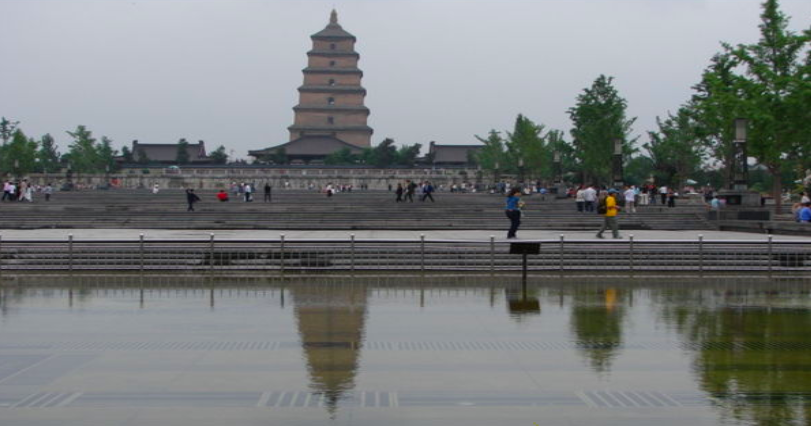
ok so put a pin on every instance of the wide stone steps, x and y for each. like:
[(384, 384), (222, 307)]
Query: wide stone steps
[(308, 210)]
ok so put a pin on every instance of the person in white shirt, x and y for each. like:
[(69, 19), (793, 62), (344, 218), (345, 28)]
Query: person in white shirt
[(663, 194), (590, 195), (630, 195), (580, 199)]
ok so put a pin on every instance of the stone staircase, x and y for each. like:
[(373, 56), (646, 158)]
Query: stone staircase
[(130, 209)]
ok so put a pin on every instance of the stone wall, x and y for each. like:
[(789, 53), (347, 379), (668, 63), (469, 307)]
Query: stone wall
[(300, 177)]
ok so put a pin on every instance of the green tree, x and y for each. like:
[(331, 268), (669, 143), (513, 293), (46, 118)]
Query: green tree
[(219, 156), (407, 154), (83, 154), (775, 90), (48, 155), (598, 120), (18, 156), (493, 154), (182, 156), (126, 153), (673, 149), (556, 143), (7, 129), (383, 155), (106, 155), (638, 169), (341, 157), (526, 143)]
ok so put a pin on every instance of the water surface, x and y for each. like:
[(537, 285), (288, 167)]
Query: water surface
[(404, 351)]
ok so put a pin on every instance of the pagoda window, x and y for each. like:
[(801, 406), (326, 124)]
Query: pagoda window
[(332, 63), (332, 82), (332, 46), (331, 120), (330, 101)]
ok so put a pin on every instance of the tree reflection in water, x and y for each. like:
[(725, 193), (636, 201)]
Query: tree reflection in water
[(752, 351), (596, 322)]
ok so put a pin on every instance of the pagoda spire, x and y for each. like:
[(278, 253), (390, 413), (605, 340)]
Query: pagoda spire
[(333, 17)]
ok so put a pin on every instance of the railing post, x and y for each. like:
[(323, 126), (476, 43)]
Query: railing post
[(560, 252), (281, 249), (352, 250), (492, 254), (631, 252), (770, 255), (211, 252), (141, 253), (70, 252), (701, 254), (422, 253)]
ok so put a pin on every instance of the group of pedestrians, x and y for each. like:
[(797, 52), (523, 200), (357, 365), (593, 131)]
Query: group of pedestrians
[(606, 205), (244, 189), (406, 192), (24, 191)]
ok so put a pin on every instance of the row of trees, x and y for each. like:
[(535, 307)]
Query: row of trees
[(21, 154), (768, 82)]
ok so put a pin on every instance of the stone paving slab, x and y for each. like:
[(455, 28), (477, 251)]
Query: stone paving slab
[(430, 235)]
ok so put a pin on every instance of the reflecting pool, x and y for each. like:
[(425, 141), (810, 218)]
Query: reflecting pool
[(404, 351)]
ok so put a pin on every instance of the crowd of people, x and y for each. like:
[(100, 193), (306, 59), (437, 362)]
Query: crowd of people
[(23, 191)]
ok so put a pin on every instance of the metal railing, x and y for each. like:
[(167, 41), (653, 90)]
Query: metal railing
[(422, 255)]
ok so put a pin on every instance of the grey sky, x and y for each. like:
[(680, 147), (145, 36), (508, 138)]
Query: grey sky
[(226, 71)]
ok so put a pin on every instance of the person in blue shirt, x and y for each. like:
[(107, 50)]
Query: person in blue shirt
[(805, 213), (513, 210)]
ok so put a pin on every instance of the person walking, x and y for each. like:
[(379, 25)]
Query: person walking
[(191, 198), (248, 190), (427, 190), (590, 196), (663, 194), (410, 187), (580, 199), (268, 190), (630, 197), (513, 211), (48, 190), (399, 193), (608, 208)]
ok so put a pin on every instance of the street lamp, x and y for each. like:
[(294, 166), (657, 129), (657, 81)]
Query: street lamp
[(521, 172), (496, 175), (740, 168), (616, 172), (557, 166)]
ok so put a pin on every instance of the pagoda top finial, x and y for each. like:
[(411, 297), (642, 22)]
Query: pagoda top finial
[(333, 17)]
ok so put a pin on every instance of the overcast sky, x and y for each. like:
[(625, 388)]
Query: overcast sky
[(226, 71)]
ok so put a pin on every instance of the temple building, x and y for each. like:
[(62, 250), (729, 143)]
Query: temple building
[(167, 153), (330, 114)]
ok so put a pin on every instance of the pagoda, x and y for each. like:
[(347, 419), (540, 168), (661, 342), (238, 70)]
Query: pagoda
[(330, 114), (331, 99)]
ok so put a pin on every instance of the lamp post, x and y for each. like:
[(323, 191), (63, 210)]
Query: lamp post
[(521, 172), (69, 178), (557, 167), (618, 180), (478, 177), (739, 166), (496, 175), (16, 169)]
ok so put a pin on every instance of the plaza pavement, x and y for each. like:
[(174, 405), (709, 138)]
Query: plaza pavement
[(430, 235)]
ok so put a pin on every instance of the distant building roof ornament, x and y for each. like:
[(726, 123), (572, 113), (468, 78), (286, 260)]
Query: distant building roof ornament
[(333, 17)]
